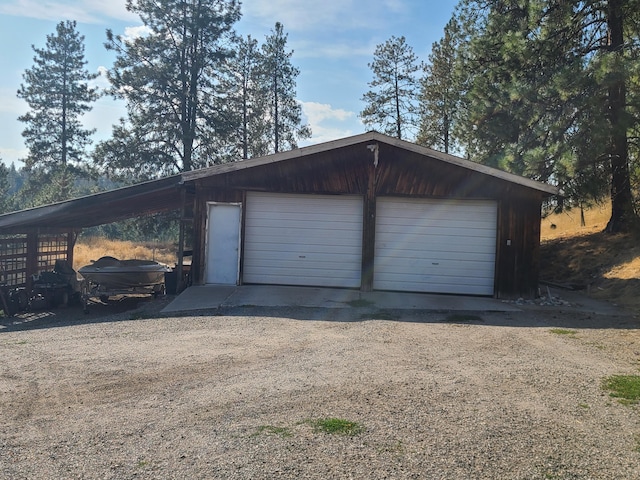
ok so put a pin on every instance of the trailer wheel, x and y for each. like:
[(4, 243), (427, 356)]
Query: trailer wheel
[(159, 290)]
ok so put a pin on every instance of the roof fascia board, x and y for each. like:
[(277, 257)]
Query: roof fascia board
[(477, 167), (276, 157), (136, 189)]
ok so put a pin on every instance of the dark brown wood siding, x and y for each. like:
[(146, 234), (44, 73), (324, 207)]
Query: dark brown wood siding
[(399, 172), (518, 252)]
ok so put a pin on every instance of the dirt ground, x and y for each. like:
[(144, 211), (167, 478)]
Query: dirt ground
[(124, 393)]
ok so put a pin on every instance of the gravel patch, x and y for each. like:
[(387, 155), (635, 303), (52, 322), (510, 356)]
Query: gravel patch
[(234, 394)]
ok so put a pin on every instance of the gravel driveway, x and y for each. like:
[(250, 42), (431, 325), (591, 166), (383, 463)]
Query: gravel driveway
[(236, 394)]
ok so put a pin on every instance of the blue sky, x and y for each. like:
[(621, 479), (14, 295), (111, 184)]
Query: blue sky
[(333, 41)]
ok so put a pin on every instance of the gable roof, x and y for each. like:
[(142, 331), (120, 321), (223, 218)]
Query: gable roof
[(363, 138), (162, 195)]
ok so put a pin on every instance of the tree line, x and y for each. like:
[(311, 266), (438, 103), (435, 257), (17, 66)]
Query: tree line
[(547, 89), (196, 94)]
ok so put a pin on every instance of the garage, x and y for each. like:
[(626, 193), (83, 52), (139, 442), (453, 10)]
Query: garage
[(370, 212), (303, 239), (435, 245)]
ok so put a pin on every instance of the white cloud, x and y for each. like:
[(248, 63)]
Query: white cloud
[(102, 71), (106, 112), (396, 6), (11, 144), (319, 112), (131, 33), (13, 155), (296, 15), (328, 15), (116, 9), (101, 82), (340, 50), (10, 103), (84, 11), (328, 123), (331, 29)]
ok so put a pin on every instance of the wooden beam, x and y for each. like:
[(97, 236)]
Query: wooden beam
[(179, 267), (369, 230), (32, 259), (71, 243)]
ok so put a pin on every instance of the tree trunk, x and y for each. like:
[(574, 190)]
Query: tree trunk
[(63, 159), (276, 120), (446, 133), (622, 214), (398, 120), (187, 151), (245, 123)]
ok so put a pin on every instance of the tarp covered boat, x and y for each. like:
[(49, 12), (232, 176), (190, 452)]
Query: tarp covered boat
[(113, 274)]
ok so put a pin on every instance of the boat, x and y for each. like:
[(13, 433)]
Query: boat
[(111, 274)]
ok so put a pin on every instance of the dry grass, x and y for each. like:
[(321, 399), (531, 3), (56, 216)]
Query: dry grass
[(92, 248), (583, 257), (567, 224)]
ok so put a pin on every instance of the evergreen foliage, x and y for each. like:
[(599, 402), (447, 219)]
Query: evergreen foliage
[(548, 89), (391, 102), (57, 92), (284, 113), (196, 94), (4, 189), (243, 80), (440, 89), (167, 76), (548, 94)]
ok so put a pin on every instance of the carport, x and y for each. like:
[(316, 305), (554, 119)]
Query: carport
[(32, 240)]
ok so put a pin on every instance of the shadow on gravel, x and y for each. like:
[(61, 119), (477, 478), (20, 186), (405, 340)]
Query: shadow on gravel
[(129, 308), (529, 317), (116, 309)]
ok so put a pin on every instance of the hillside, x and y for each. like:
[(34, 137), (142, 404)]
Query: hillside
[(89, 249), (583, 258)]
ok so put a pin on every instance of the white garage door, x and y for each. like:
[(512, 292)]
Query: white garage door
[(440, 246), (313, 240)]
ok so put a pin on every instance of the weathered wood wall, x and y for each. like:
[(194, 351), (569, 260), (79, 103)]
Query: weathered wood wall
[(399, 172)]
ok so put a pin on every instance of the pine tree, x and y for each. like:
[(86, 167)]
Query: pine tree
[(391, 104), (284, 111), (617, 16), (4, 188), (168, 77), (547, 96), (57, 91), (439, 93), (246, 93)]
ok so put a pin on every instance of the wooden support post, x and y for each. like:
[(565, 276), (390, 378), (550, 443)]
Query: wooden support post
[(72, 236), (32, 259), (369, 229), (179, 266)]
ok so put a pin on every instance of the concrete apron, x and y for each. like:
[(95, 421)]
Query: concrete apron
[(205, 297)]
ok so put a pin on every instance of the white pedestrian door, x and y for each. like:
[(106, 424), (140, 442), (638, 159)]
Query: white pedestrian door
[(223, 243)]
